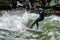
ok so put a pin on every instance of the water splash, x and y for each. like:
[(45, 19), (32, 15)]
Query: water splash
[(15, 22)]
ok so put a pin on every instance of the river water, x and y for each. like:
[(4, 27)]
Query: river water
[(13, 26)]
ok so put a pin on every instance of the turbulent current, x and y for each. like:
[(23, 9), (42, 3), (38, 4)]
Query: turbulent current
[(13, 26)]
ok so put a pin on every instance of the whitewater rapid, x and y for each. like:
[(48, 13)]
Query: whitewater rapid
[(15, 22)]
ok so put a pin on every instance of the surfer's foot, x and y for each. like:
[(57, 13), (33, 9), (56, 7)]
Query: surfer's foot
[(27, 29)]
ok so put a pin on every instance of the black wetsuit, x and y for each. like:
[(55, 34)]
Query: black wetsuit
[(40, 18)]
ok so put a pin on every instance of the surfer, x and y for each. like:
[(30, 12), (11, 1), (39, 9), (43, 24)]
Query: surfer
[(40, 10)]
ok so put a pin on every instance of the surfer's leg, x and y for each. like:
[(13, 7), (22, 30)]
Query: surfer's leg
[(32, 25), (37, 25), (36, 22)]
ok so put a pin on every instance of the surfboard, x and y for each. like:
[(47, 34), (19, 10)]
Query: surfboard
[(33, 30)]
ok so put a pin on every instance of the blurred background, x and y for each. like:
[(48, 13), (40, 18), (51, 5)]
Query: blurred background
[(52, 6)]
